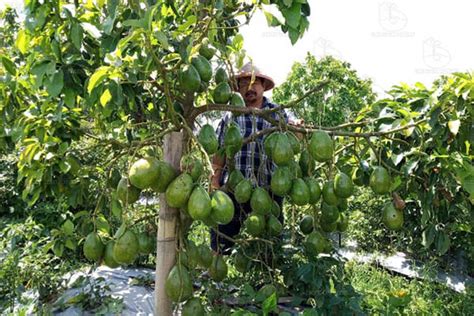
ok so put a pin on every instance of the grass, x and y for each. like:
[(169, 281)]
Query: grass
[(387, 294)]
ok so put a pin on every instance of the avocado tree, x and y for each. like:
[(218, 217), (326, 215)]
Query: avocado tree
[(346, 97), (135, 78)]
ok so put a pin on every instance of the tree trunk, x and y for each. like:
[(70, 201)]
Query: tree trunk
[(166, 237)]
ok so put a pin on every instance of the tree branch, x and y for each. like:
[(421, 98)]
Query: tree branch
[(255, 111), (306, 130), (291, 104)]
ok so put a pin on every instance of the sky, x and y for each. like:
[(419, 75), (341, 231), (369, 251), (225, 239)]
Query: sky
[(387, 41)]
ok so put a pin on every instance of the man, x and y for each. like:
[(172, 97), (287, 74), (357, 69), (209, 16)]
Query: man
[(251, 160)]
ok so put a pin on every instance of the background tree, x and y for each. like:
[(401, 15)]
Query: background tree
[(343, 95)]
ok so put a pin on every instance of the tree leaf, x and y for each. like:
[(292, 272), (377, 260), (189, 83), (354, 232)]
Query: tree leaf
[(271, 19), (238, 42), (120, 231), (428, 236), (116, 208), (98, 76), (22, 41), (135, 23), (58, 248), (292, 15), (9, 65), (102, 224), (68, 228), (408, 167), (161, 37), (64, 166), (56, 83), (108, 24), (442, 242), (105, 97), (69, 97), (70, 244), (76, 35), (189, 21), (294, 35), (395, 183), (269, 304)]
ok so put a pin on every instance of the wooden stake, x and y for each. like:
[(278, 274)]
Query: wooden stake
[(166, 237)]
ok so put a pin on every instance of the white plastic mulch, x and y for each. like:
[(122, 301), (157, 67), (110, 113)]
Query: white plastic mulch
[(139, 299)]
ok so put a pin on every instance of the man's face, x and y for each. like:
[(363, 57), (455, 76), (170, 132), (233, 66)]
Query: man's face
[(251, 91)]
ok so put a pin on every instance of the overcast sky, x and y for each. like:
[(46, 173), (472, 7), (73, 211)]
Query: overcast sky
[(387, 41)]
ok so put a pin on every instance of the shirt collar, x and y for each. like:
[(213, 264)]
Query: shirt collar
[(265, 103)]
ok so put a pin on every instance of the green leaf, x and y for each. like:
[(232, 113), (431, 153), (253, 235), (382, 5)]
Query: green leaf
[(76, 35), (62, 148), (116, 208), (9, 65), (288, 3), (105, 97), (64, 166), (269, 304), (117, 93), (98, 76), (442, 243), (395, 183), (41, 68), (294, 35), (102, 224), (120, 231), (304, 24), (161, 37), (58, 248), (425, 214), (56, 83), (70, 244), (271, 19), (136, 23), (108, 24), (467, 184), (68, 228), (190, 21), (22, 41), (428, 236), (292, 15), (408, 168), (69, 97), (238, 42), (80, 214)]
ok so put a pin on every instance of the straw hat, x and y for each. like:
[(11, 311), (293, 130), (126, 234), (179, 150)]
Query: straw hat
[(250, 70)]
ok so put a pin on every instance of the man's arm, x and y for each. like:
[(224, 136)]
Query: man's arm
[(218, 162), (295, 122)]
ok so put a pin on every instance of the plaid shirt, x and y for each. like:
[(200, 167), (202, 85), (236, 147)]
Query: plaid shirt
[(251, 160)]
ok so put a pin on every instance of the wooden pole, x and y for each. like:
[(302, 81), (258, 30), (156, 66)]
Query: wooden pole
[(166, 236)]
